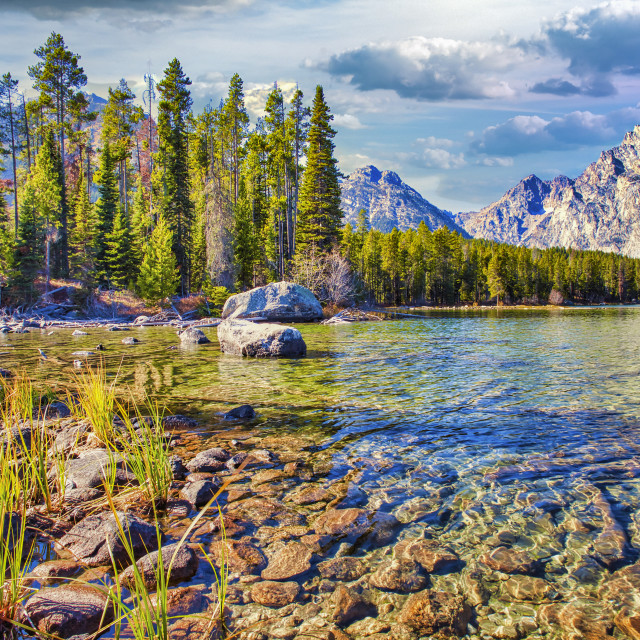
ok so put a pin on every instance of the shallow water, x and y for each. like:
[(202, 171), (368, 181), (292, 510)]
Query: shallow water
[(466, 425)]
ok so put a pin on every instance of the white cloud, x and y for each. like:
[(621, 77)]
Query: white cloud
[(348, 121)]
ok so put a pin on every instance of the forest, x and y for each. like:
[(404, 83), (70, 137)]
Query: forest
[(209, 203)]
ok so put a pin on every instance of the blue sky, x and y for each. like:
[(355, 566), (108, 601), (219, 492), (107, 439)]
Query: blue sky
[(462, 98)]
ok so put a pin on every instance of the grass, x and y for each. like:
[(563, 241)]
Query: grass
[(32, 473)]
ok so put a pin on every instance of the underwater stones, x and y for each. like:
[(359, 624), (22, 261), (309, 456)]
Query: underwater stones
[(179, 422), (509, 561), (628, 622), (436, 612), (241, 555), (243, 412), (277, 302), (426, 553), (527, 589), (244, 338), (182, 559), (289, 560), (68, 610), (193, 336), (210, 460), (581, 617), (96, 539), (274, 594), (199, 492), (5, 373), (349, 605), (354, 523), (311, 495), (263, 511), (403, 575), (47, 572), (346, 569)]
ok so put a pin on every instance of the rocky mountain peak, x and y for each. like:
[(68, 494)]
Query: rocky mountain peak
[(599, 210), (389, 202)]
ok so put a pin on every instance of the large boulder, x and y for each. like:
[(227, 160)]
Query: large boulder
[(278, 301), (244, 338)]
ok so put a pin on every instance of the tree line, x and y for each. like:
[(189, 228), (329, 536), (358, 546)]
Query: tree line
[(441, 267), (179, 204), (191, 202)]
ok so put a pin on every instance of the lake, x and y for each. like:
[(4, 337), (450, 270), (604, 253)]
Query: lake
[(482, 429)]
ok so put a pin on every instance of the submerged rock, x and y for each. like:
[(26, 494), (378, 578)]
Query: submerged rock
[(130, 340), (348, 605), (275, 594), (278, 301), (244, 338), (243, 412), (182, 559), (345, 569), (399, 575), (509, 561), (436, 612), (288, 561), (198, 493), (68, 610), (210, 460)]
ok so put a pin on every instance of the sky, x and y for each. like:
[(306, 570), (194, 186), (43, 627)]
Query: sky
[(462, 98)]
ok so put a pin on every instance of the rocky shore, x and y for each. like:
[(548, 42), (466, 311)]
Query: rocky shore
[(312, 549)]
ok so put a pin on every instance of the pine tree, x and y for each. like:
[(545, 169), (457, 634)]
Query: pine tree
[(244, 244), (118, 251), (83, 234), (320, 216), (235, 121), (158, 273), (173, 164), (106, 207), (57, 77), (140, 224), (28, 256), (9, 133)]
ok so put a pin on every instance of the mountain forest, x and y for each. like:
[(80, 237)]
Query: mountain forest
[(209, 203)]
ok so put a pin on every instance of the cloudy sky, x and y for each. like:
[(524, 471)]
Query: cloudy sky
[(462, 98)]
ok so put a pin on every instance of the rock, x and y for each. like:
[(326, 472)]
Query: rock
[(96, 539), (210, 460), (348, 606), (527, 589), (580, 618), (264, 512), (289, 560), (628, 622), (130, 340), (509, 561), (311, 495), (68, 610), (556, 297), (426, 553), (244, 338), (77, 332), (235, 461), (83, 354), (5, 373), (141, 319), (183, 561), (91, 467), (47, 572), (198, 493), (100, 347), (52, 411), (436, 612), (185, 601), (178, 470), (241, 555), (277, 302), (354, 523), (398, 575), (243, 412), (179, 422), (275, 594), (69, 437), (345, 569), (193, 336)]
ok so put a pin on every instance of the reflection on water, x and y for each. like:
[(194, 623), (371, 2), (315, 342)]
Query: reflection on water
[(475, 425)]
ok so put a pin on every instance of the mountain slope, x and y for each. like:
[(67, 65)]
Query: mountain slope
[(389, 202), (599, 210)]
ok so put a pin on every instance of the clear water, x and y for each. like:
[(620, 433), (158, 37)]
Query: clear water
[(466, 424)]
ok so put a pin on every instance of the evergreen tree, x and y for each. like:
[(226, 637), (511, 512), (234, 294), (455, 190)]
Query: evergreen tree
[(118, 251), (106, 207), (158, 273), (27, 255), (83, 234), (244, 244), (235, 121), (9, 134), (57, 77), (173, 164), (320, 216)]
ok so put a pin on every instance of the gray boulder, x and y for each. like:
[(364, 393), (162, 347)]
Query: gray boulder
[(193, 336), (182, 560), (244, 338), (91, 468), (278, 301), (96, 540)]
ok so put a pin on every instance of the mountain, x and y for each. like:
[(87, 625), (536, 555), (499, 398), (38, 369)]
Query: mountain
[(598, 210), (389, 202)]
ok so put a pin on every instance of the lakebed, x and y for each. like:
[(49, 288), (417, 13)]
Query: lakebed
[(481, 464)]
